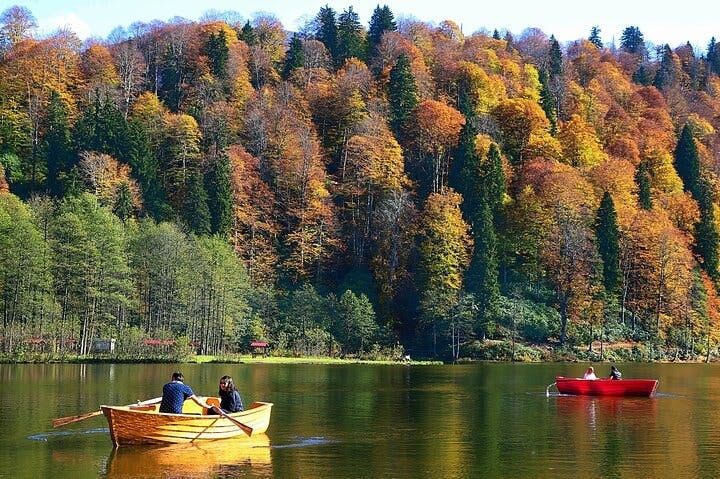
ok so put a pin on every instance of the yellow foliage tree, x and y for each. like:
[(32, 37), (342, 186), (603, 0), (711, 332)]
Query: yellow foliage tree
[(580, 145)]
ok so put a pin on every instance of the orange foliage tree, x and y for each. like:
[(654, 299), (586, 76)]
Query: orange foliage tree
[(434, 132)]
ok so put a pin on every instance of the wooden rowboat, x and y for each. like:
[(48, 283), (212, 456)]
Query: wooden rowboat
[(145, 425), (606, 387)]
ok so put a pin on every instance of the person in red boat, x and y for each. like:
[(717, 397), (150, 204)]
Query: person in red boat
[(589, 373), (615, 373)]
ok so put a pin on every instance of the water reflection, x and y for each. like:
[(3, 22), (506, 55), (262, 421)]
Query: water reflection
[(226, 458), (588, 409)]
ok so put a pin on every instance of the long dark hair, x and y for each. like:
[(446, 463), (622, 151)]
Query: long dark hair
[(230, 385)]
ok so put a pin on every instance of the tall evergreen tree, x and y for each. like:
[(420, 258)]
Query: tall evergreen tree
[(608, 240), (713, 56), (643, 75), (482, 184), (123, 207), (402, 94), (247, 34), (547, 102), (294, 58), (555, 58), (496, 34), (382, 21), (103, 128), (665, 76), (594, 37), (58, 144), (707, 239), (632, 41), (144, 163), (687, 161), (327, 30), (642, 179), (216, 48), (197, 213), (493, 178), (219, 191), (350, 37), (482, 275)]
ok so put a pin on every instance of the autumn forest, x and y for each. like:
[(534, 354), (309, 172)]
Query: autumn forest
[(343, 190)]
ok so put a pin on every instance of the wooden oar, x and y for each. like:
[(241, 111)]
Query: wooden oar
[(246, 429), (62, 421)]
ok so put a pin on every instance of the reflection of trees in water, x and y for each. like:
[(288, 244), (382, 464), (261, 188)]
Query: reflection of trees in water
[(241, 457)]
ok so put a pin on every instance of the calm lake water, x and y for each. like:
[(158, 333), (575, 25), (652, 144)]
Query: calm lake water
[(354, 421)]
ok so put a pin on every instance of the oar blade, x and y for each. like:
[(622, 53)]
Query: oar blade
[(62, 421), (245, 428)]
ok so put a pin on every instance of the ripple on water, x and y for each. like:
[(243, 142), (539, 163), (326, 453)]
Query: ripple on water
[(305, 442), (47, 435)]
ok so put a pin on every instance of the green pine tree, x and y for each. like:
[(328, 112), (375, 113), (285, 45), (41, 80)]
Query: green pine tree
[(608, 238), (123, 207), (402, 94), (594, 37), (350, 37), (643, 75), (219, 190), (493, 178), (103, 128), (665, 76), (642, 178), (247, 34), (632, 41), (382, 21), (216, 48), (496, 34), (145, 165), (294, 58), (713, 56), (706, 233), (197, 213), (555, 58), (58, 144), (327, 30), (687, 161), (482, 275), (547, 102)]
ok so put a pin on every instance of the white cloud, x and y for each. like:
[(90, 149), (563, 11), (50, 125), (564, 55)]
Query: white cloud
[(71, 21)]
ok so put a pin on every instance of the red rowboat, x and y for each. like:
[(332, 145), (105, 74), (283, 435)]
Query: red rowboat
[(606, 387)]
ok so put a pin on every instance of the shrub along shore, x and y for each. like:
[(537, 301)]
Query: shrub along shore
[(501, 351)]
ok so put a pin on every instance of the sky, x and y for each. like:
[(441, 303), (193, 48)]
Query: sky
[(691, 20)]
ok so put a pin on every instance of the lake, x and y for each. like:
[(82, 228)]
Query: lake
[(355, 421)]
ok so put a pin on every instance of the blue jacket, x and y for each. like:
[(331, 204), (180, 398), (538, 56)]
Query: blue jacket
[(174, 395)]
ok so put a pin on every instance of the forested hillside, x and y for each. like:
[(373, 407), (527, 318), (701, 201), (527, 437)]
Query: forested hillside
[(343, 190)]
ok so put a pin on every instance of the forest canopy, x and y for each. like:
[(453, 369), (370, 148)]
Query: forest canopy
[(355, 190)]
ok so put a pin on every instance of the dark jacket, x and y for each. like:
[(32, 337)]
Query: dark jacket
[(231, 401)]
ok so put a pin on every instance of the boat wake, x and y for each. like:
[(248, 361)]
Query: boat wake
[(47, 435), (305, 442)]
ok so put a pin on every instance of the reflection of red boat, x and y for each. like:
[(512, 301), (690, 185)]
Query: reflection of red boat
[(606, 387)]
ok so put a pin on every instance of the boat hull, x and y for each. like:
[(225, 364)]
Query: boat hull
[(606, 387), (144, 425)]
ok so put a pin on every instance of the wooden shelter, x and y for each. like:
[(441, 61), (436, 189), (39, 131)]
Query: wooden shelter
[(259, 348)]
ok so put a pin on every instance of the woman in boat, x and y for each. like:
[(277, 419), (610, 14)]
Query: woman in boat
[(175, 393), (230, 400), (614, 373), (589, 373)]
